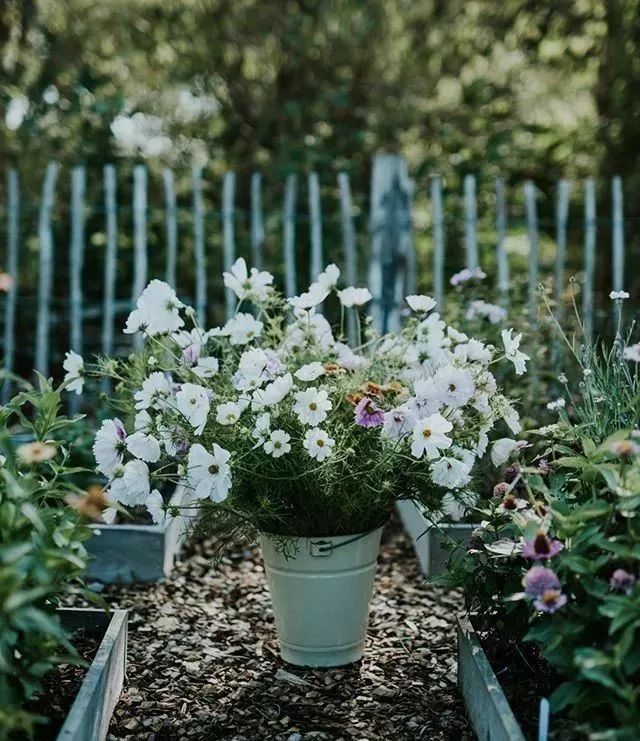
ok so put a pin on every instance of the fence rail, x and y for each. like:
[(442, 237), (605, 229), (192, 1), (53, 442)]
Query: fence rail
[(391, 254)]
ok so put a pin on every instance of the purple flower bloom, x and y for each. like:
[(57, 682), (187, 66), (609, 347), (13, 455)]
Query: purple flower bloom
[(368, 413), (542, 546), (539, 580), (622, 581), (499, 490), (190, 355), (550, 601)]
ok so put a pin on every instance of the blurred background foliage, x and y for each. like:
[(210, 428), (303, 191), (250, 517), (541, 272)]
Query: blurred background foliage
[(533, 89), (522, 88)]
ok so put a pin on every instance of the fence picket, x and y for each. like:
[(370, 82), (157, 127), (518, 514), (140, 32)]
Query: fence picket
[(532, 232), (617, 235), (470, 222), (171, 227), (198, 245), (589, 256), (390, 239), (438, 240), (257, 222), (13, 221), (411, 270), (110, 258), (501, 255), (229, 246), (348, 246), (563, 193), (289, 226), (76, 264), (316, 263), (140, 264), (45, 276)]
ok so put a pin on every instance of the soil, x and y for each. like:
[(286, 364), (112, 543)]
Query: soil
[(204, 660), (61, 685)]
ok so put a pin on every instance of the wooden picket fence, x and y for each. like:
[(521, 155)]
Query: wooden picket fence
[(391, 260)]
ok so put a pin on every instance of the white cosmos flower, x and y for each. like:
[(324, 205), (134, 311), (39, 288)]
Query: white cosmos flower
[(273, 393), (131, 484), (254, 285), (632, 353), (193, 403), (556, 405), (328, 278), (154, 392), (229, 412), (262, 427), (421, 304), (350, 297), (109, 445), (454, 386), (512, 351), (347, 358), (157, 310), (310, 372), (74, 377), (209, 474), (501, 450), (450, 473), (425, 400), (318, 444), (206, 367), (156, 507), (109, 515), (143, 446), (277, 443), (142, 422), (242, 329), (619, 295), (310, 299), (312, 405), (474, 351), (398, 423), (429, 436), (509, 415), (456, 506)]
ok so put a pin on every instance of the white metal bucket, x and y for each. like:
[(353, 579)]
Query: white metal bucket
[(321, 596)]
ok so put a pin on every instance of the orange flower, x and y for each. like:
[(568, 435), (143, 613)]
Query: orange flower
[(373, 389), (355, 398), (333, 369), (395, 387), (91, 504)]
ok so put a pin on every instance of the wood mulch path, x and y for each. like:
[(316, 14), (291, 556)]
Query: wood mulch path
[(204, 663)]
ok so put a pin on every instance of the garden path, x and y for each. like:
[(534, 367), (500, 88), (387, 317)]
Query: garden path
[(204, 664)]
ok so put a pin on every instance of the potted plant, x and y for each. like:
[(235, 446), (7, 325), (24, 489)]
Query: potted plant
[(42, 557), (277, 429)]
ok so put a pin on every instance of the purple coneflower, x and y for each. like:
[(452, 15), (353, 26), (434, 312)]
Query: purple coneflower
[(550, 601), (542, 546), (510, 474), (622, 581), (368, 413), (539, 580)]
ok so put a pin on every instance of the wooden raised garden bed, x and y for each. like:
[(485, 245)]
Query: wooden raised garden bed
[(94, 704), (429, 540), (487, 706), (129, 553)]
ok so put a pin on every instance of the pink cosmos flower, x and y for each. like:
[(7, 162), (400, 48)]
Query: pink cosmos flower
[(539, 580), (368, 413), (542, 546), (550, 601)]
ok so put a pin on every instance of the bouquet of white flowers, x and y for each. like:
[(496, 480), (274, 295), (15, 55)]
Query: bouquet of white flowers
[(274, 424)]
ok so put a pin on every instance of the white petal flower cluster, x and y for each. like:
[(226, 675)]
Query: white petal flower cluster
[(275, 404)]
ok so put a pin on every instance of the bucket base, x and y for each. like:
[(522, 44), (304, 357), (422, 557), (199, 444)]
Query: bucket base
[(301, 656)]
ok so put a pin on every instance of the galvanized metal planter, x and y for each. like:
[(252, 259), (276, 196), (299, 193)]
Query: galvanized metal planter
[(321, 594), (126, 554), (429, 540), (93, 707), (487, 706)]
